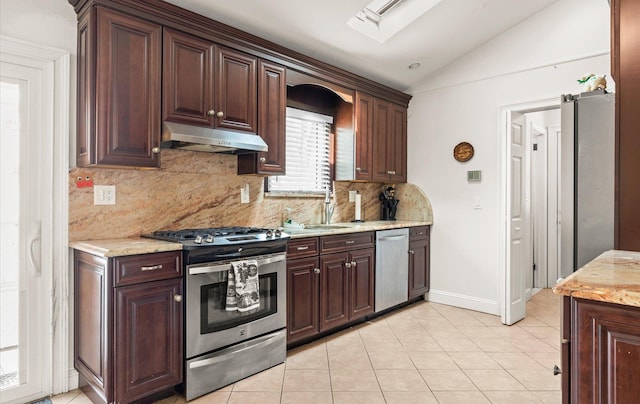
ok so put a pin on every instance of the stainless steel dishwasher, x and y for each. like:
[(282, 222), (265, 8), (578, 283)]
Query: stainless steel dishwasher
[(392, 268)]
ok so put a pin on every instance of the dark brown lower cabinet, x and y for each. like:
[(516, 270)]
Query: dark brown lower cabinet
[(604, 358), (303, 295), (128, 325), (326, 291), (419, 253), (346, 287)]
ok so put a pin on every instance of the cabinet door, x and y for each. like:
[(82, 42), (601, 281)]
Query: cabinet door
[(389, 142), (364, 133), (381, 132), (361, 283), (128, 74), (272, 115), (334, 301), (236, 94), (626, 62), (302, 298), (606, 353), (397, 144), (92, 357), (148, 338), (187, 79), (418, 267)]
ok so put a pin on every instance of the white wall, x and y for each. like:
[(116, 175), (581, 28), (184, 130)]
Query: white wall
[(537, 60)]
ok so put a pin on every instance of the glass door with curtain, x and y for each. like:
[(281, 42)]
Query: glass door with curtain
[(25, 332)]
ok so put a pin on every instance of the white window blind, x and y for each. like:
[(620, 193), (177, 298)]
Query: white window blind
[(307, 154)]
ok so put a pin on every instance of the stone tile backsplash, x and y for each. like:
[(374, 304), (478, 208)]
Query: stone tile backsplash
[(195, 189)]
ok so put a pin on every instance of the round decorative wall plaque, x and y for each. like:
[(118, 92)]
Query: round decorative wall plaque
[(463, 151)]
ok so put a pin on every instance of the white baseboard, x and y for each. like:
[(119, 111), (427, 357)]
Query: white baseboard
[(73, 379), (463, 301)]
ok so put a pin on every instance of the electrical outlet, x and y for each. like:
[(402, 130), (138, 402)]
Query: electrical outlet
[(244, 194), (352, 196), (104, 195)]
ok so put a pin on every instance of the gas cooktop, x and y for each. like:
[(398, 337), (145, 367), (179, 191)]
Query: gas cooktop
[(218, 236)]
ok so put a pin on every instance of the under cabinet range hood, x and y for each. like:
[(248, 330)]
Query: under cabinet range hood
[(196, 138)]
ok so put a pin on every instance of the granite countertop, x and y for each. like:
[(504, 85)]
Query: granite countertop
[(612, 277), (141, 245), (124, 246), (351, 227)]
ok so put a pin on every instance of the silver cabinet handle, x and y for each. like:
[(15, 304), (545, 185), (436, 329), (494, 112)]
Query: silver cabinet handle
[(358, 169), (225, 265), (220, 114), (211, 112), (152, 267), (391, 238), (177, 298), (392, 173), (347, 265), (353, 264), (155, 150), (316, 270), (350, 242), (411, 252), (263, 159), (306, 247)]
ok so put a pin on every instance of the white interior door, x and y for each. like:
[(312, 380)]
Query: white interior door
[(539, 205), (519, 233), (25, 271)]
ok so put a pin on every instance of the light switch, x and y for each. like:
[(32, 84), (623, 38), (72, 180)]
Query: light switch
[(476, 202)]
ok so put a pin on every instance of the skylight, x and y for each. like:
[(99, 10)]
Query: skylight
[(382, 19)]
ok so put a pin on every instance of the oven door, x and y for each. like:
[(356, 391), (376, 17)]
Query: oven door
[(210, 326)]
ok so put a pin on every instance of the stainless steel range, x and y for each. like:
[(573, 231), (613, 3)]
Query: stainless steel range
[(235, 303)]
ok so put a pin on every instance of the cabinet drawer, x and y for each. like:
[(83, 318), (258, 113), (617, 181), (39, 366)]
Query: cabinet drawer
[(346, 242), (133, 269), (303, 247), (418, 233)]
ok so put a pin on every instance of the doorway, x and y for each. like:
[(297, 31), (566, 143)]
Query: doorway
[(34, 125), (530, 155)]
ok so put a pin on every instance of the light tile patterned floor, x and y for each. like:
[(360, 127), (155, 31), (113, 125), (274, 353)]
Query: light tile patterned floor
[(425, 353)]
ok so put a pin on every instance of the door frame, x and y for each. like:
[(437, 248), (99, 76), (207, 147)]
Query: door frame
[(504, 189), (56, 131)]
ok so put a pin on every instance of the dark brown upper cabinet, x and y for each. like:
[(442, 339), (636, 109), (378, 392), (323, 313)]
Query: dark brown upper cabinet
[(272, 116), (625, 63), (142, 62), (389, 142), (364, 132), (207, 84), (119, 73)]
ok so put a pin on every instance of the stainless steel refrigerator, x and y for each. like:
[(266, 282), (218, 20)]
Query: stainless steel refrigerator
[(586, 177)]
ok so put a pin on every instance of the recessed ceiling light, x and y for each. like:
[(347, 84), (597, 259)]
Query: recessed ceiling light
[(414, 66)]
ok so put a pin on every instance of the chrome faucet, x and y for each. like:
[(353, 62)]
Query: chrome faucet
[(328, 207)]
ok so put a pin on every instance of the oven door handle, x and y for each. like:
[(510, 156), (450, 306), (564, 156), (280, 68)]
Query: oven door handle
[(224, 355), (208, 269)]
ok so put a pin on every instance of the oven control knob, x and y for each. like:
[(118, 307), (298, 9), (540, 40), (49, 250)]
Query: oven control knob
[(278, 233), (198, 239), (209, 238), (269, 233)]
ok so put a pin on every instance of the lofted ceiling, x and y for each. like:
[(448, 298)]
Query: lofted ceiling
[(319, 29)]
